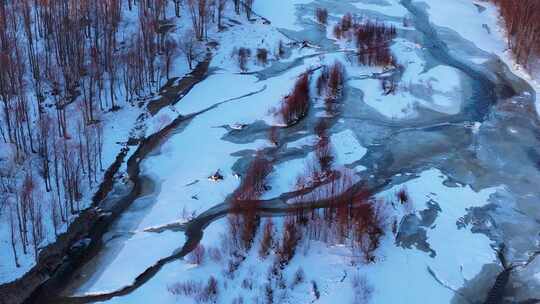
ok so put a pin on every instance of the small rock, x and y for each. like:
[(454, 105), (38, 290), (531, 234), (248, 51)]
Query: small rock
[(216, 177)]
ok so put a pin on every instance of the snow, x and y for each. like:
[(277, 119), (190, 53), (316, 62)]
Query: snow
[(282, 15), (346, 148), (304, 141), (397, 106), (390, 8), (452, 265), (218, 87), (443, 85), (120, 255), (471, 23)]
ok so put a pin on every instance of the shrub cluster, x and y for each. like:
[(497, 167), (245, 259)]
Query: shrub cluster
[(322, 15), (372, 40), (373, 43), (330, 82), (295, 106), (200, 292), (522, 20)]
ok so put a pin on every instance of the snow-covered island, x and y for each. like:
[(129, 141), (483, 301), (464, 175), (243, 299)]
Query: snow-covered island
[(269, 151)]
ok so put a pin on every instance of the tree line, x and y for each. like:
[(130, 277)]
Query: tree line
[(66, 67), (522, 21)]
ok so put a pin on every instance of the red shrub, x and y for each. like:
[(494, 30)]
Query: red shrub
[(262, 56), (254, 181), (350, 215), (343, 28), (209, 293), (273, 135), (233, 238), (373, 34), (243, 225), (243, 228), (523, 27), (335, 80), (338, 33), (196, 290), (250, 224), (346, 22), (373, 43), (215, 254), (403, 196), (321, 129), (299, 277), (295, 106), (267, 241), (322, 81), (291, 236), (243, 56), (197, 255), (189, 288), (376, 56), (324, 153), (322, 15), (369, 223)]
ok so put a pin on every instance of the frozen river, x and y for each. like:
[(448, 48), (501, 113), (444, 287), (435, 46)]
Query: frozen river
[(467, 146)]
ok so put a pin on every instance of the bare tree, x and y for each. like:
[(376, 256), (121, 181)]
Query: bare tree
[(248, 6), (177, 7), (198, 10), (13, 234), (170, 51), (220, 8), (190, 47)]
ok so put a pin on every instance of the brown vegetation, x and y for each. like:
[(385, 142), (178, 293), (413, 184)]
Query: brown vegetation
[(267, 241), (351, 216), (522, 21), (197, 255), (200, 292), (373, 43), (291, 236), (244, 222), (262, 56), (243, 56), (254, 181), (322, 15), (295, 106)]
